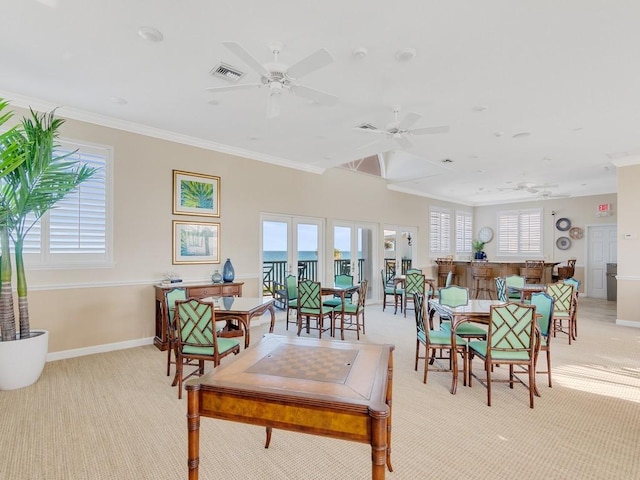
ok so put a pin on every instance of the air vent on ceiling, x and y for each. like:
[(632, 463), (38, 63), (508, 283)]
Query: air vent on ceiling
[(366, 126), (226, 71)]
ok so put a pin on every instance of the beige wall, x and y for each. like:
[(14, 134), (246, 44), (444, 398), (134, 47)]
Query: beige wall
[(629, 248), (580, 210), (87, 308)]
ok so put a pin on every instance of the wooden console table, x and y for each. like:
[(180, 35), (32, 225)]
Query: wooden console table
[(194, 290), (321, 387)]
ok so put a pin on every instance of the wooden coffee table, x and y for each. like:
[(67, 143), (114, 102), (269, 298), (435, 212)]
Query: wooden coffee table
[(322, 387)]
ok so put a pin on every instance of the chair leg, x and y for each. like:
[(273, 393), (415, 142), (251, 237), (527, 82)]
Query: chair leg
[(549, 367), (487, 367)]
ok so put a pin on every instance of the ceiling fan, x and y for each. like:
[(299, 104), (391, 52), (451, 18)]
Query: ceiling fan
[(529, 187), (277, 77), (544, 194), (399, 130)]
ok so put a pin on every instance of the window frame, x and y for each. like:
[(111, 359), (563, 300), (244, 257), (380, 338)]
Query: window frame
[(521, 215), (443, 214), (467, 242), (45, 259)]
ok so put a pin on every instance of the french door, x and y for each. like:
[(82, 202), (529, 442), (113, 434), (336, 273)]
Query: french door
[(354, 247), (290, 246), (399, 250)]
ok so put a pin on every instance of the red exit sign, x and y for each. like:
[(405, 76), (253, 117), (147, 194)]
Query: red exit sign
[(604, 207)]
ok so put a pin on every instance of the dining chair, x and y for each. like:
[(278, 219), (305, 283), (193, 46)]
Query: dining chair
[(501, 289), (514, 281), (197, 339), (435, 341), (390, 290), (533, 271), (310, 307), (576, 288), (544, 315), (455, 296), (511, 340), (563, 308), (414, 283), (353, 313), (171, 296), (291, 286), (341, 280)]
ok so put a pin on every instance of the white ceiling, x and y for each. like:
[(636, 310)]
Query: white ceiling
[(567, 73)]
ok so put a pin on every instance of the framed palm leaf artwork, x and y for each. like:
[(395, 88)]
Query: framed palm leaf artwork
[(196, 242), (196, 194)]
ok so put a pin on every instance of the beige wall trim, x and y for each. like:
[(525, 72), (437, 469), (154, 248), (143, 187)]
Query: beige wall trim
[(110, 347), (631, 278)]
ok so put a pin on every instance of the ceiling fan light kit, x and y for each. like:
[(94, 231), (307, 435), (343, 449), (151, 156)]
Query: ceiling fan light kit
[(279, 77)]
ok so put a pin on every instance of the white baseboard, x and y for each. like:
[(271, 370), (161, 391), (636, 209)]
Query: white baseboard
[(110, 347), (627, 323)]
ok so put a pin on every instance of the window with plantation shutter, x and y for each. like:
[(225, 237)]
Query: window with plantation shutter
[(520, 232), (77, 230), (440, 231), (464, 232)]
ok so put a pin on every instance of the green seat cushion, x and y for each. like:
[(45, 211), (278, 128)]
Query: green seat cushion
[(332, 302), (224, 344), (348, 308), (439, 337), (293, 303), (480, 347), (389, 290), (561, 314), (468, 329), (314, 311)]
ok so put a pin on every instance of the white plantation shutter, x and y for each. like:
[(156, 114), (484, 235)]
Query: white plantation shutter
[(520, 232), (464, 232), (78, 223), (77, 230), (440, 230)]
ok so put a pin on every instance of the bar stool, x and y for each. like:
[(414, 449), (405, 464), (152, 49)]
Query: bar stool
[(445, 265), (482, 277), (533, 271), (568, 271)]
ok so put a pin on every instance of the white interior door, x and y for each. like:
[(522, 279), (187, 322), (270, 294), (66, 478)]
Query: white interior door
[(602, 248)]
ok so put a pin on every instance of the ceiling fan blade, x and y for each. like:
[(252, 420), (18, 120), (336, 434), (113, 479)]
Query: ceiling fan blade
[(315, 95), (226, 88), (409, 119), (309, 64), (247, 58), (403, 141), (426, 130)]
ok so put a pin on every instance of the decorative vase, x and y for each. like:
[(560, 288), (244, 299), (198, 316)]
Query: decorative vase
[(216, 277), (228, 273)]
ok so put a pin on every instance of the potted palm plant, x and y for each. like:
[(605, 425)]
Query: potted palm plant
[(41, 178), (477, 248)]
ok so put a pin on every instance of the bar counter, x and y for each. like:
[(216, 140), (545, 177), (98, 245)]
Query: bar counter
[(463, 277)]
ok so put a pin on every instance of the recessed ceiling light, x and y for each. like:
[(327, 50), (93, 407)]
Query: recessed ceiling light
[(498, 134), (360, 52), (479, 108), (118, 100), (521, 135), (150, 34), (406, 54)]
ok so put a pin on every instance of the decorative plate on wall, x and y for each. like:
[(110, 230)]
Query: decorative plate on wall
[(576, 233), (563, 224), (563, 243)]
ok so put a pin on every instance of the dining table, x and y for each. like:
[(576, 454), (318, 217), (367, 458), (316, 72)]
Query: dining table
[(527, 289), (476, 310), (341, 291)]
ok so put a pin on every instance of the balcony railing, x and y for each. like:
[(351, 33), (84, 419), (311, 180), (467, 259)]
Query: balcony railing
[(275, 272)]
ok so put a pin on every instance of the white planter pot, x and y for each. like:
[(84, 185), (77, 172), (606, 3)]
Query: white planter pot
[(22, 361)]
